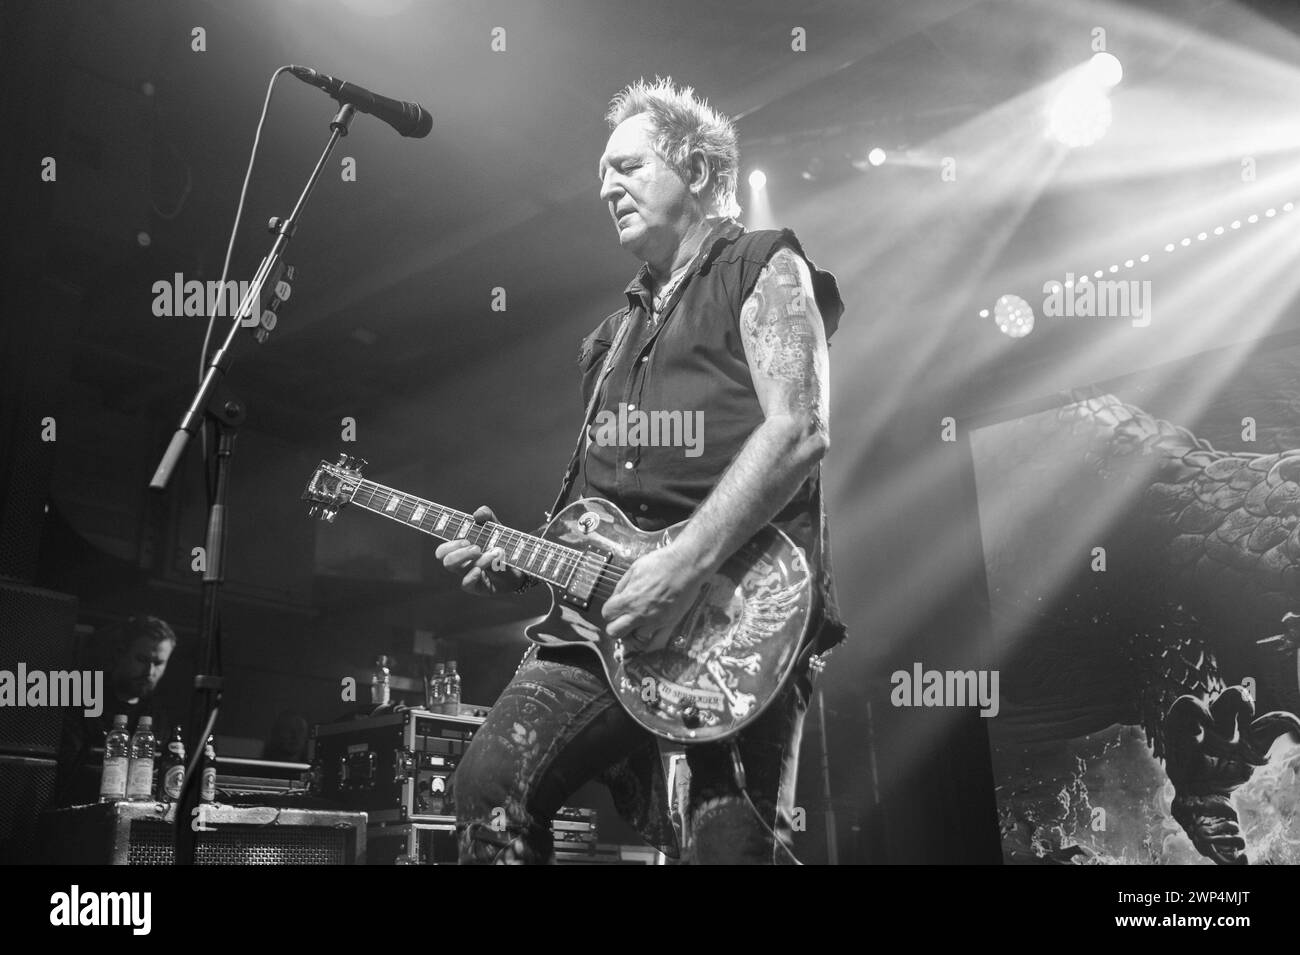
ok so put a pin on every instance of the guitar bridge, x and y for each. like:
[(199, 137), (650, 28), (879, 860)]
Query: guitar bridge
[(585, 577)]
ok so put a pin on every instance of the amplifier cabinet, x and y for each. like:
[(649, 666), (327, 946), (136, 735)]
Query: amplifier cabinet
[(398, 767), (141, 833)]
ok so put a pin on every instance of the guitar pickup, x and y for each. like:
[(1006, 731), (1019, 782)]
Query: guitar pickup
[(585, 577)]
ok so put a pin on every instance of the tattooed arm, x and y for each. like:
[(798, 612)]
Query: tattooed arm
[(786, 347)]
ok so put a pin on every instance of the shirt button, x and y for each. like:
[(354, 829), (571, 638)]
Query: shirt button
[(631, 407), (628, 465), (644, 359), (645, 507)]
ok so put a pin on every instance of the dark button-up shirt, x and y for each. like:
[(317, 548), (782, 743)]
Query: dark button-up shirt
[(678, 401)]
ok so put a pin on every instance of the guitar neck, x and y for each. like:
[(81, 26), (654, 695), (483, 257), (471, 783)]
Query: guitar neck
[(553, 563)]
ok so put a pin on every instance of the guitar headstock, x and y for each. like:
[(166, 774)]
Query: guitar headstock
[(332, 486)]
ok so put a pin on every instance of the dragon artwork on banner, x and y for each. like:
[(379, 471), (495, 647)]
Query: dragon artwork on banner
[(1144, 587)]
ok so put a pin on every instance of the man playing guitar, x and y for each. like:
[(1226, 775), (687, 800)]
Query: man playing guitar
[(719, 321)]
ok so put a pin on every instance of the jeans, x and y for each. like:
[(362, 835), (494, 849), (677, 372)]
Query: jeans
[(557, 725)]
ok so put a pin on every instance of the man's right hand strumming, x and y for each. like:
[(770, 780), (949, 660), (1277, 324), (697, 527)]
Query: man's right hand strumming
[(461, 557)]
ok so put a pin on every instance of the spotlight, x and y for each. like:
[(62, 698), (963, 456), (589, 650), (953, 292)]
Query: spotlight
[(1013, 316), (1106, 69), (1080, 114), (757, 179), (876, 157), (811, 171)]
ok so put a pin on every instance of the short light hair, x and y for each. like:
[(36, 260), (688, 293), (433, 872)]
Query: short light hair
[(682, 123)]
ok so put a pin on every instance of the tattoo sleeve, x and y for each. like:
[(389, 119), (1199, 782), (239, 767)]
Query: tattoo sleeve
[(784, 340)]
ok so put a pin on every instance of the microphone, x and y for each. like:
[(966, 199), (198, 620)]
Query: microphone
[(409, 119)]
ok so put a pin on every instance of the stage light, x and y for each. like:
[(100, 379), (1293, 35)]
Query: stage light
[(1080, 114), (1013, 316), (1106, 69), (876, 157), (813, 169), (757, 179)]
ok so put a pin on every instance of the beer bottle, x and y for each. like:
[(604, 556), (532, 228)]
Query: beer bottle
[(173, 767), (208, 772)]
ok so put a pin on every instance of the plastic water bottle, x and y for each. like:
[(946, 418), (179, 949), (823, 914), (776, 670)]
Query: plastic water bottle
[(112, 784), (451, 690), (380, 686), (438, 688), (139, 772)]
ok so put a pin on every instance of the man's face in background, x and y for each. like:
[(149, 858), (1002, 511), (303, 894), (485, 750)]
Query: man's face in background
[(137, 671)]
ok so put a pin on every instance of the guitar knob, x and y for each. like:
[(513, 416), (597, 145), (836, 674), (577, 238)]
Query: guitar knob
[(690, 717)]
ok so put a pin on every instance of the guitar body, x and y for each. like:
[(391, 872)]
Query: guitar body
[(727, 659)]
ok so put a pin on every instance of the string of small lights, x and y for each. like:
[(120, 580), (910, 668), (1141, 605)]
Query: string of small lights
[(1015, 317)]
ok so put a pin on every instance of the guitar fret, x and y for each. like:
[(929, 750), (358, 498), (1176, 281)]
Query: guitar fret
[(554, 563)]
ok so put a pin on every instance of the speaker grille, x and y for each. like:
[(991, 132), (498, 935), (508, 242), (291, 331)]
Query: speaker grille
[(25, 787), (152, 844), (35, 629)]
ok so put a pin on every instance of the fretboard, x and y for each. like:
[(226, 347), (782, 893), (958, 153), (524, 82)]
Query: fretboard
[(554, 563)]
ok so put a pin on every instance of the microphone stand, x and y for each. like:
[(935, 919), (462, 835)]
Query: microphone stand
[(211, 401)]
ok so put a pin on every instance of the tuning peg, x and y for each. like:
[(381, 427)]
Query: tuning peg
[(311, 511), (342, 461), (329, 515), (359, 463)]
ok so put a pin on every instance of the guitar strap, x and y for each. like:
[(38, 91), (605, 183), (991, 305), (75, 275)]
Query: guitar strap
[(571, 472)]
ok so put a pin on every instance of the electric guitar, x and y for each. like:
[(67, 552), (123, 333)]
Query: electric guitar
[(710, 677)]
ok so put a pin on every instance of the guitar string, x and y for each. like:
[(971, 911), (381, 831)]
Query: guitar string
[(610, 574)]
